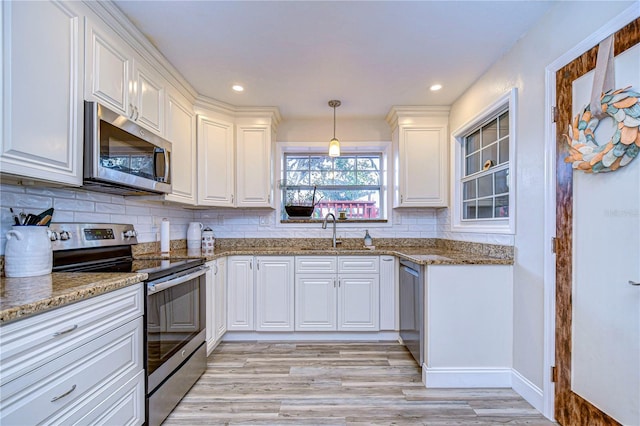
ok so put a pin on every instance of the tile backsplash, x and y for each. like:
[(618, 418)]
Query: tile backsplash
[(75, 205)]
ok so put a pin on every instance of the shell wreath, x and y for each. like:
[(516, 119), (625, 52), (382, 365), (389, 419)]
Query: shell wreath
[(623, 105)]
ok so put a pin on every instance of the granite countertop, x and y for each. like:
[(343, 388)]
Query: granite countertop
[(22, 297), (419, 255)]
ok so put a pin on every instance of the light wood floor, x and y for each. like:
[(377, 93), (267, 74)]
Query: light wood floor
[(335, 384)]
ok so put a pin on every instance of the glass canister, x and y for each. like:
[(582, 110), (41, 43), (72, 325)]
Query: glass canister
[(208, 241)]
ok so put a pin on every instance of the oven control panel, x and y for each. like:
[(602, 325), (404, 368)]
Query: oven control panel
[(66, 236)]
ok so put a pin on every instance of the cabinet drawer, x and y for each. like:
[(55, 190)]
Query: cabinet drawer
[(59, 386), (31, 342), (309, 264), (358, 264)]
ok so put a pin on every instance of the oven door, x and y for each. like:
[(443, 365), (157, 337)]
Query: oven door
[(175, 321)]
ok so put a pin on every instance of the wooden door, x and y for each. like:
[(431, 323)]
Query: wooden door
[(574, 405)]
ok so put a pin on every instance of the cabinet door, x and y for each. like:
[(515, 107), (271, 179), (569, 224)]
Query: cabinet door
[(388, 293), (108, 64), (315, 307), (240, 293), (216, 171), (358, 302), (42, 80), (147, 97), (274, 293), (220, 310), (423, 166), (254, 171), (180, 131)]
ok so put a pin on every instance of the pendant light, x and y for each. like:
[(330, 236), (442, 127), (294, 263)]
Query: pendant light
[(334, 144)]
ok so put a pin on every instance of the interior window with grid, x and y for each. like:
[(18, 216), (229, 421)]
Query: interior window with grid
[(350, 183), (485, 181)]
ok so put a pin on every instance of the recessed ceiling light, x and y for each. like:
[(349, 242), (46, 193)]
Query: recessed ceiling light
[(435, 87), (237, 88)]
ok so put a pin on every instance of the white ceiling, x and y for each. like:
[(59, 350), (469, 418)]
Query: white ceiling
[(297, 55)]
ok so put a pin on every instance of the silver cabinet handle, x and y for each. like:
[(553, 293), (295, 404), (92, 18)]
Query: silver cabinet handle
[(334, 283), (55, 398), (339, 283), (215, 267), (634, 282), (387, 260), (68, 330), (251, 264), (137, 113), (231, 198), (258, 264)]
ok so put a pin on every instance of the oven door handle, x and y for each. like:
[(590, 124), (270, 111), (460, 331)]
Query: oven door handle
[(159, 285)]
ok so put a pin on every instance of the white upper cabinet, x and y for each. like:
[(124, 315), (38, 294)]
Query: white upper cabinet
[(181, 132), (42, 80), (216, 171), (254, 181), (115, 77), (420, 145)]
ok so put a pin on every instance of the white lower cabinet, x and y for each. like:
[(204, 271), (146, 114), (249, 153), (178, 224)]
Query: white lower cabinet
[(216, 316), (262, 285), (337, 293), (89, 372)]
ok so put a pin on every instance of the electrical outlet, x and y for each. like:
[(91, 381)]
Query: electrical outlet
[(264, 220), (397, 220)]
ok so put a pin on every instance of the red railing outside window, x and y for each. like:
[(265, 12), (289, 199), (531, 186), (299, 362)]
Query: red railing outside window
[(353, 209)]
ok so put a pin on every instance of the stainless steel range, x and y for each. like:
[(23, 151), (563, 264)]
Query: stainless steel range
[(175, 353)]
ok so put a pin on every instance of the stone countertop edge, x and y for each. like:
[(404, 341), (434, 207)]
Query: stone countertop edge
[(23, 297), (421, 256)]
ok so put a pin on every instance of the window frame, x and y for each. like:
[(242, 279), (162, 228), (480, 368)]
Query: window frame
[(347, 148), (507, 102)]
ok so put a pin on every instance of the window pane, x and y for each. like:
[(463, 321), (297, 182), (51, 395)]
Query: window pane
[(368, 163), (502, 183), (502, 206), (504, 124), (504, 151), (485, 208), (321, 163), (469, 190), (297, 163), (469, 210), (489, 156), (473, 142), (344, 178), (473, 164), (297, 178), (298, 197), (322, 178), (368, 178), (345, 163), (490, 133), (485, 185), (360, 204)]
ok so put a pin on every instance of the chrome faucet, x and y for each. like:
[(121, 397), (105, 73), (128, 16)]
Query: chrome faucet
[(324, 226)]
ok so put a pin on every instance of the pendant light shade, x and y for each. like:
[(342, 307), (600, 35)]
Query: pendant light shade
[(334, 144)]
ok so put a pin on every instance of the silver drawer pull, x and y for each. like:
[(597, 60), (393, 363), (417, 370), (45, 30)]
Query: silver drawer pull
[(387, 260), (68, 330), (634, 282), (55, 398)]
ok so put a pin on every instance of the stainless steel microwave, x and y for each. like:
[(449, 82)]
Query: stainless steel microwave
[(120, 157)]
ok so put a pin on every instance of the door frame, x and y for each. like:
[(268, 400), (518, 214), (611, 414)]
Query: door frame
[(615, 24)]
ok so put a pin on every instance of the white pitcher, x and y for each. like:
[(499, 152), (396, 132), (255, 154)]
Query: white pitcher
[(194, 235), (28, 252)]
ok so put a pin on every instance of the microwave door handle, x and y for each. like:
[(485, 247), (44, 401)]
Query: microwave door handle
[(166, 165)]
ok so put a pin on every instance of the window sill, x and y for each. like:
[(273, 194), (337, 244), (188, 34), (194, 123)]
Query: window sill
[(305, 220)]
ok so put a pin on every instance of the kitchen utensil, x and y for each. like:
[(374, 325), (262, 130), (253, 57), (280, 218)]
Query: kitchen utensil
[(48, 212), (44, 221), (32, 219)]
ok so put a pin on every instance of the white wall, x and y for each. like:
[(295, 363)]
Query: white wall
[(564, 26), (73, 205)]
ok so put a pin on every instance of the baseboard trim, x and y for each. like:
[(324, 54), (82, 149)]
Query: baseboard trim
[(526, 389), (311, 336), (466, 377)]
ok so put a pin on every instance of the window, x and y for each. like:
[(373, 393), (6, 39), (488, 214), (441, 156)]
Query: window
[(483, 177), (351, 183), (485, 181)]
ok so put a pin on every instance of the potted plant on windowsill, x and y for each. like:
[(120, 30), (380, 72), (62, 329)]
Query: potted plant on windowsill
[(299, 205)]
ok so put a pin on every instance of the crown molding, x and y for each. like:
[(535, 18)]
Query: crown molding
[(272, 113), (415, 112)]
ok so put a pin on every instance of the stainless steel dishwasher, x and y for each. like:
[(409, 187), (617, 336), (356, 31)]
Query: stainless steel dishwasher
[(412, 309)]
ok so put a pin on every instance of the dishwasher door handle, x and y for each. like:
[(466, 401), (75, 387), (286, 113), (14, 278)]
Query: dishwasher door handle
[(410, 271)]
